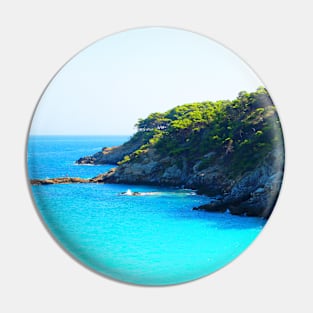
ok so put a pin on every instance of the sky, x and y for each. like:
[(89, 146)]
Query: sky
[(109, 85)]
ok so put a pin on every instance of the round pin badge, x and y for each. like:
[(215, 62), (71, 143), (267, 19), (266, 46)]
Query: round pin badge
[(155, 156)]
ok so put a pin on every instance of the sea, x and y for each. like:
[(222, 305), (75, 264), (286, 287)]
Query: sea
[(151, 239)]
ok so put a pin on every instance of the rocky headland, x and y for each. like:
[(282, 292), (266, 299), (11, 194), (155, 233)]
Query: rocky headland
[(231, 150)]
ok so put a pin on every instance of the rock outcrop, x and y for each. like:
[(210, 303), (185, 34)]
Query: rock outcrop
[(60, 180)]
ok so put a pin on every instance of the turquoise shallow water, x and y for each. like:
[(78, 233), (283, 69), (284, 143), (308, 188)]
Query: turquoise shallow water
[(153, 239)]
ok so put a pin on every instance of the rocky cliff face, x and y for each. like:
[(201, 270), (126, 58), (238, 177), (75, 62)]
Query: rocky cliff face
[(153, 169), (254, 193)]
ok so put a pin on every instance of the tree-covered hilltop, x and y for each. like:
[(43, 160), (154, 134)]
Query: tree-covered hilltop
[(233, 149), (242, 132)]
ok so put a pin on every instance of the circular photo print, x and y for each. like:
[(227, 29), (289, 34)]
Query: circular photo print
[(155, 156)]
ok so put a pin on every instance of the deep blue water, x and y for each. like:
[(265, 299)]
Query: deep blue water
[(153, 239)]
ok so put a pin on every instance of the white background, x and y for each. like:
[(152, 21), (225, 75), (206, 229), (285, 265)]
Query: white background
[(274, 273)]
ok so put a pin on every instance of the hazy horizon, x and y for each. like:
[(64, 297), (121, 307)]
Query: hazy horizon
[(108, 86)]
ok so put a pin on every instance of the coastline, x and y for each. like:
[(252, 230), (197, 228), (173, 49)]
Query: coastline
[(231, 150)]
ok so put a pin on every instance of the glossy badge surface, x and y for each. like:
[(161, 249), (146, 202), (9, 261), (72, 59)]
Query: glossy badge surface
[(155, 156)]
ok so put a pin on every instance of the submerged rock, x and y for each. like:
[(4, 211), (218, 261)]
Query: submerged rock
[(130, 193)]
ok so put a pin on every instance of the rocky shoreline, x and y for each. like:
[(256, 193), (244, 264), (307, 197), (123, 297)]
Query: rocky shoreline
[(252, 194)]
